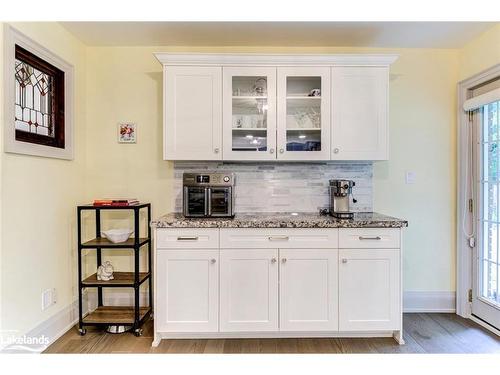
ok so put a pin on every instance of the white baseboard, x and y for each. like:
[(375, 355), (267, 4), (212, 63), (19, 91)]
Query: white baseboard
[(437, 302), (61, 322)]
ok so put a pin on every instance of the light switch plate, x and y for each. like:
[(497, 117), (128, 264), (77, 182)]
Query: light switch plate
[(411, 177)]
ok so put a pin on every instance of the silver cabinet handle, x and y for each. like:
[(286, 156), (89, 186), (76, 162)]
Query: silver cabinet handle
[(213, 261), (336, 150), (216, 150), (278, 238), (344, 260), (282, 151), (362, 238), (273, 260), (283, 260), (271, 150), (187, 238)]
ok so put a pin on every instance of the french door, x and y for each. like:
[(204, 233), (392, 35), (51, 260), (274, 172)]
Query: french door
[(486, 265)]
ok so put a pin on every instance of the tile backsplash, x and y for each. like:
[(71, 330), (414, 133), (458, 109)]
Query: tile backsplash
[(284, 187)]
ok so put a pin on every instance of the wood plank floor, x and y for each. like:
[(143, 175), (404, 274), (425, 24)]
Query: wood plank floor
[(423, 333)]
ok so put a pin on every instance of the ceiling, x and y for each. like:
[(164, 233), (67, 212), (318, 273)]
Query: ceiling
[(297, 34)]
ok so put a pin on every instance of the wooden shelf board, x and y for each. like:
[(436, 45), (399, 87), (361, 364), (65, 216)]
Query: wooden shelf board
[(114, 314), (120, 278), (104, 242)]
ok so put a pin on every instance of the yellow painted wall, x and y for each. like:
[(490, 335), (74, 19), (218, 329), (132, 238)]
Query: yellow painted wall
[(124, 83), (480, 54), (38, 197)]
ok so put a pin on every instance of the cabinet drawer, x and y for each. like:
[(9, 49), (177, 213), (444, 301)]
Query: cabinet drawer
[(188, 238), (294, 238), (369, 238)]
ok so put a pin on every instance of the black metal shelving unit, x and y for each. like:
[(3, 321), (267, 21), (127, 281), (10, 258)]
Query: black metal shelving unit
[(115, 315)]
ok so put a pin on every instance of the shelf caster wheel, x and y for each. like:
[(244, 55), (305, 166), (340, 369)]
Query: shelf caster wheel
[(138, 332), (82, 331)]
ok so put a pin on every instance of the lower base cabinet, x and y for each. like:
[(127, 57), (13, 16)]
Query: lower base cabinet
[(187, 292), (248, 290), (369, 290), (308, 290), (204, 287)]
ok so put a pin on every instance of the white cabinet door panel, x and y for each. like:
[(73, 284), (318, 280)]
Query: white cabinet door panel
[(187, 238), (359, 113), (308, 290), (303, 121), (248, 290), (369, 290), (249, 106), (283, 238), (193, 113), (369, 238), (187, 291)]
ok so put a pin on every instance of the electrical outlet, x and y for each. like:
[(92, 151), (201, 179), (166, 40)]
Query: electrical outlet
[(49, 298), (411, 177)]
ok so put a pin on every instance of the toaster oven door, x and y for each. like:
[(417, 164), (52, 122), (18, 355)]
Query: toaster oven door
[(195, 201), (220, 202)]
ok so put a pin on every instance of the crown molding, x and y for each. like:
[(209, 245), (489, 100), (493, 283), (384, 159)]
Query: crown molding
[(242, 59)]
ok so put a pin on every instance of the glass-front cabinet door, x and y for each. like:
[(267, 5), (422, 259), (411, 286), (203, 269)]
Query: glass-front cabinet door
[(303, 113), (249, 108)]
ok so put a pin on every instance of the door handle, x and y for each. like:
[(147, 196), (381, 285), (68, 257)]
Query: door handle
[(283, 260), (209, 201), (278, 238), (273, 260), (184, 238), (362, 238)]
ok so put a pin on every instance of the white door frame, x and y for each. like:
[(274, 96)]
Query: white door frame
[(465, 262)]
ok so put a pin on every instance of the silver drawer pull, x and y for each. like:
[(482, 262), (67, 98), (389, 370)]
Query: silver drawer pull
[(344, 260), (361, 238), (213, 261), (187, 238), (278, 238), (273, 260)]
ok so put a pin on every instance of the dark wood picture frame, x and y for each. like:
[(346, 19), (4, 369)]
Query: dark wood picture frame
[(58, 101)]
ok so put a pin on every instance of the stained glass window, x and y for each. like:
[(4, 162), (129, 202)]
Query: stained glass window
[(39, 105)]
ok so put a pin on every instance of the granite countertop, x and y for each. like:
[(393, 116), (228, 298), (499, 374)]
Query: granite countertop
[(280, 220)]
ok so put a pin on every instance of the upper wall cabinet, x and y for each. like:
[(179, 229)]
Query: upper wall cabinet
[(359, 113), (192, 113), (275, 107)]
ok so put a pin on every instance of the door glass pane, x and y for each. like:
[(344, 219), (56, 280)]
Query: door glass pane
[(303, 114), (220, 201), (250, 104), (196, 201), (489, 252)]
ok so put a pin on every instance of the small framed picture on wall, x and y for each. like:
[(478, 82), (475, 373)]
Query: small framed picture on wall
[(127, 132)]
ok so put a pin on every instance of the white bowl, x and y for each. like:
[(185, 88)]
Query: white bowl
[(117, 235)]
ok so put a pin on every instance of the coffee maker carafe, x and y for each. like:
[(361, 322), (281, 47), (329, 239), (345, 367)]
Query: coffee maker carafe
[(340, 191)]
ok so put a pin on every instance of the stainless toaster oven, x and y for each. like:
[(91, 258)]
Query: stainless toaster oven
[(208, 194)]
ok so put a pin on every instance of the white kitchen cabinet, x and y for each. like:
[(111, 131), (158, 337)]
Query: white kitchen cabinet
[(187, 290), (360, 113), (249, 120), (248, 290), (192, 113), (308, 290), (246, 107), (303, 125), (369, 290)]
